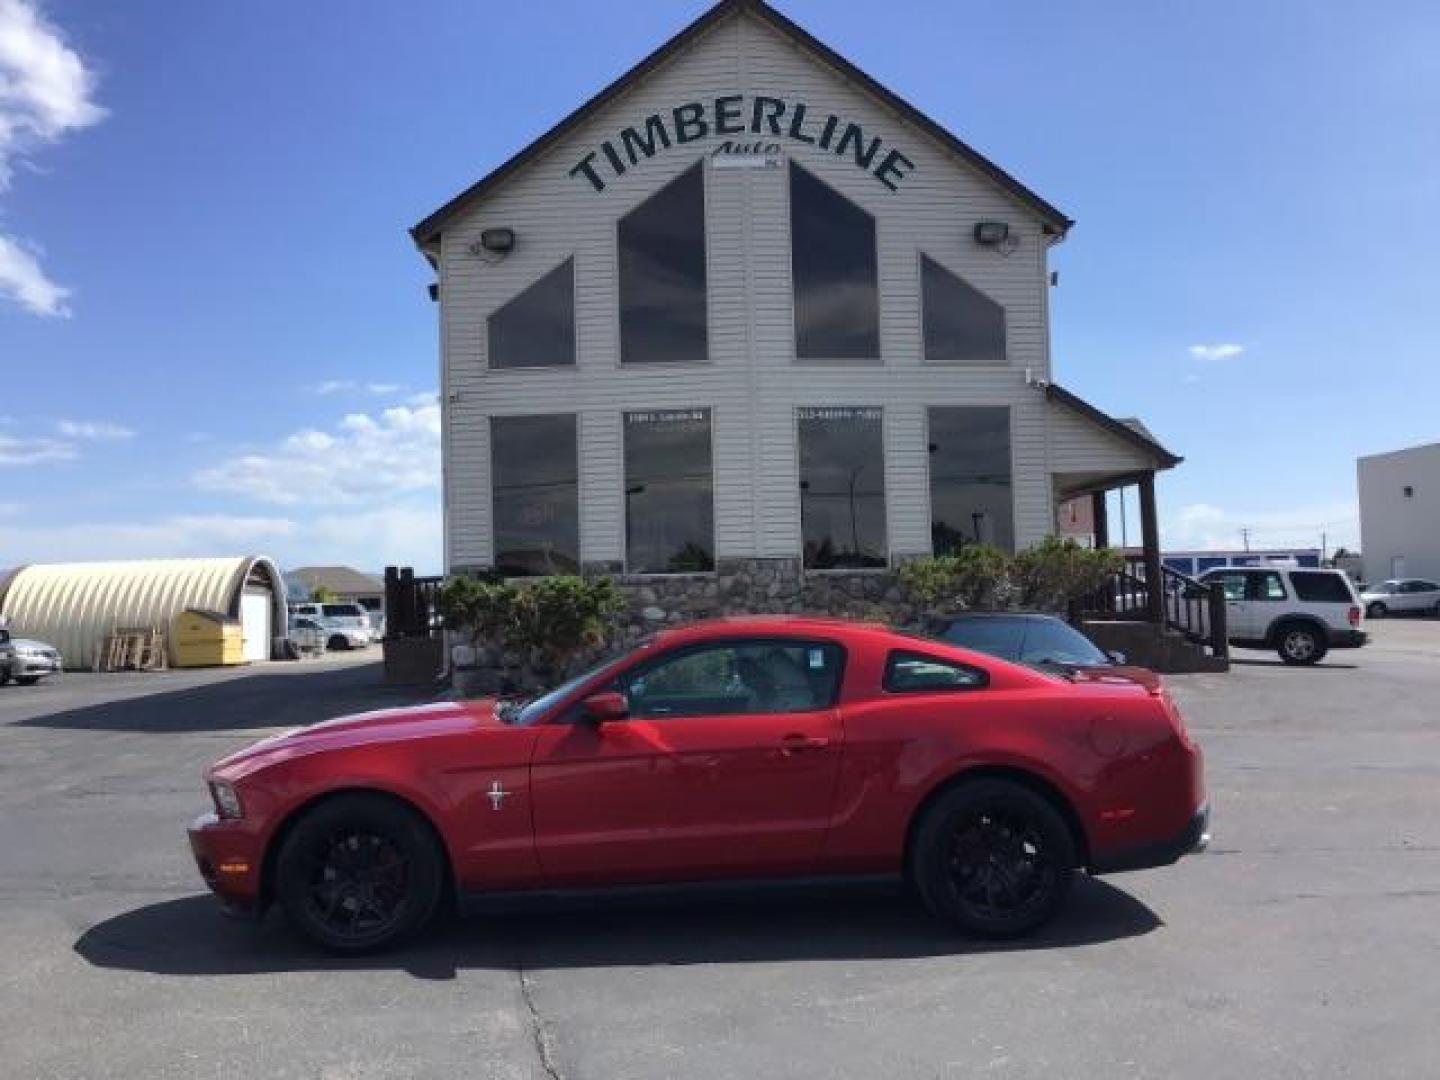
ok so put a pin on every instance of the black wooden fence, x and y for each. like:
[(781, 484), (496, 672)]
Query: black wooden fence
[(411, 608)]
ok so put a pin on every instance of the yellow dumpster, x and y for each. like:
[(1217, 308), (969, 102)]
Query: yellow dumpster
[(207, 639)]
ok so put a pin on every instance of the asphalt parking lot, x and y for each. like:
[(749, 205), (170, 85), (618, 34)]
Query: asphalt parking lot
[(1303, 944)]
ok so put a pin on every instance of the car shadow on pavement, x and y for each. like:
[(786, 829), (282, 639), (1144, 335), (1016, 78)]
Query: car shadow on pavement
[(1323, 665), (284, 698), (189, 936)]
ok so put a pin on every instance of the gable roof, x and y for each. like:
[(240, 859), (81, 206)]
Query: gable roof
[(428, 230), (341, 580), (1130, 430)]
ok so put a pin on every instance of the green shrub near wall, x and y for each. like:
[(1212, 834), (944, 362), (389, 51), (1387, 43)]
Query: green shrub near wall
[(1045, 577)]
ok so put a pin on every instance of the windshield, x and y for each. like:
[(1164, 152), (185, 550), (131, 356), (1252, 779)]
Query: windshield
[(341, 610), (525, 712), (992, 634), (1050, 641)]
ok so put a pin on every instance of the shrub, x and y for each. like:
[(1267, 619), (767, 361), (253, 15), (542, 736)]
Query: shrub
[(975, 576), (1054, 572), (536, 628)]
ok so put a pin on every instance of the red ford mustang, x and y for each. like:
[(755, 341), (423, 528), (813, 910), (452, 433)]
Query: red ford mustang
[(738, 749)]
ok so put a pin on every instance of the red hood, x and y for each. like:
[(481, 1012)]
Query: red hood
[(362, 729)]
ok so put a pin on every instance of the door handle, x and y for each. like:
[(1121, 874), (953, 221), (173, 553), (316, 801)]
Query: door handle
[(792, 743)]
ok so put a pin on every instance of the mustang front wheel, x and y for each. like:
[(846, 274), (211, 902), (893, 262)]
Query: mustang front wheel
[(993, 857), (360, 873)]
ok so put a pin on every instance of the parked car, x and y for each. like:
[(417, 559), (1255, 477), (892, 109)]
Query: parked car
[(27, 661), (308, 634), (1300, 613), (1411, 595), (734, 749), (350, 623), (1022, 637)]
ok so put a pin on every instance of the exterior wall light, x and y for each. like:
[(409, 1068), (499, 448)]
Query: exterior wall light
[(991, 233), (499, 241)]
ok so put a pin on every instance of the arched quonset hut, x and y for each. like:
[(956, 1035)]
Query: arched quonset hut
[(73, 606)]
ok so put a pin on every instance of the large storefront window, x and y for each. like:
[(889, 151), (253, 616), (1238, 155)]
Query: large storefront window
[(662, 275), (970, 489), (842, 487), (832, 255), (536, 495), (669, 501), (537, 328), (962, 324)]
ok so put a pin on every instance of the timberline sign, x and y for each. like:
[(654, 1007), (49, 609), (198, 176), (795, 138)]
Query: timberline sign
[(761, 118)]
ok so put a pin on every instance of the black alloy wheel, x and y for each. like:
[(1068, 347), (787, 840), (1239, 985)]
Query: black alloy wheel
[(1377, 610), (360, 873), (994, 857), (338, 643)]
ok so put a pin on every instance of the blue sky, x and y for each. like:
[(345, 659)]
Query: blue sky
[(213, 328)]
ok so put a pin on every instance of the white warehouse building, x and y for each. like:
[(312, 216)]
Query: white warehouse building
[(1400, 513), (746, 312)]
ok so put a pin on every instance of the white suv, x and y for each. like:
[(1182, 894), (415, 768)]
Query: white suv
[(347, 625), (1301, 614)]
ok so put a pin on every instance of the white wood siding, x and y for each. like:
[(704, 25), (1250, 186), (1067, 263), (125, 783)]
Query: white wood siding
[(751, 383)]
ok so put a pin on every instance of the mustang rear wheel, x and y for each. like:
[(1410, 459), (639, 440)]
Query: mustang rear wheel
[(360, 873), (993, 857)]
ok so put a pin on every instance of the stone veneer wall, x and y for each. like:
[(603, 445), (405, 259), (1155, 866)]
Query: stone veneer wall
[(759, 587)]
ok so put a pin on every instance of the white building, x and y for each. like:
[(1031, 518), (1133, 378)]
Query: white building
[(746, 309), (1400, 513)]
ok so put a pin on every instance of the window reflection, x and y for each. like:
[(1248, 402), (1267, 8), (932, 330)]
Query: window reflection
[(832, 252), (669, 502), (842, 487), (962, 324), (662, 275), (536, 502), (537, 328), (970, 482)]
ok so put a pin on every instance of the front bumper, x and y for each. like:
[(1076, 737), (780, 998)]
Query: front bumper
[(1195, 837), (21, 666), (229, 859)]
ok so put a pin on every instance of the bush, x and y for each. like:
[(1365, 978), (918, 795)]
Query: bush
[(978, 576), (1054, 572), (536, 628), (973, 577)]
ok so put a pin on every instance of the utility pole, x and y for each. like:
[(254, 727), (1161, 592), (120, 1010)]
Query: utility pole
[(1245, 536), (1323, 546)]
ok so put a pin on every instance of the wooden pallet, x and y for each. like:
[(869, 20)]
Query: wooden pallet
[(133, 649)]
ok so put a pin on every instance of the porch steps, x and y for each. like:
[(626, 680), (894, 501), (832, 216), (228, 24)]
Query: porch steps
[(1148, 645)]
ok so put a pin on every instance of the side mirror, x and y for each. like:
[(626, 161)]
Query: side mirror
[(1117, 657), (605, 707)]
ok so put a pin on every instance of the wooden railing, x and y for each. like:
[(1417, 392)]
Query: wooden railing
[(411, 604), (1191, 608)]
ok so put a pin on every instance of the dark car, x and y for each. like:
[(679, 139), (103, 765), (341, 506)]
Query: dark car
[(1032, 638)]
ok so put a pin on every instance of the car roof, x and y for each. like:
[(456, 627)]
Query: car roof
[(1029, 616)]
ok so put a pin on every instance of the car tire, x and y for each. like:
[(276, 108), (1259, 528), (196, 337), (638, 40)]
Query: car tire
[(360, 873), (993, 858), (338, 643), (1300, 644), (26, 680), (4, 677), (1377, 610)]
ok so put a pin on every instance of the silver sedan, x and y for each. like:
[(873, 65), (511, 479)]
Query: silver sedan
[(1408, 595)]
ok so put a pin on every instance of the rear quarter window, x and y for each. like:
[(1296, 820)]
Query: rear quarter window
[(1317, 587), (909, 673)]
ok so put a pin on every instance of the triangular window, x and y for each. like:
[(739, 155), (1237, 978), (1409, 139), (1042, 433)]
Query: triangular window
[(833, 264), (537, 328), (662, 275), (962, 324)]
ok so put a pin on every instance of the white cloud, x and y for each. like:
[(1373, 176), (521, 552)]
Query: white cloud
[(34, 451), (332, 386), (1191, 379), (10, 509), (347, 386), (1207, 526), (383, 387), (94, 430), (405, 534), (1219, 351), (46, 91), (365, 459), (23, 280)]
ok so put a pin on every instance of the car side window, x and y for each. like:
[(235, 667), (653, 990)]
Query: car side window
[(1266, 586), (737, 677), (1232, 583), (1426, 586), (908, 672)]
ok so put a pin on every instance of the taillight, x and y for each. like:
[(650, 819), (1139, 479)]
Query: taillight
[(1354, 616)]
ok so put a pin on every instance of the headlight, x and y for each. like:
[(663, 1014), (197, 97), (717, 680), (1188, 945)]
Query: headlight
[(227, 803)]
